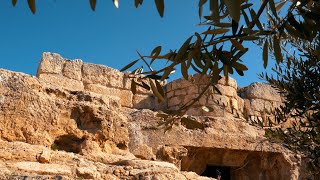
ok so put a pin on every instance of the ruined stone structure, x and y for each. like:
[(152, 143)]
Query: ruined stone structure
[(255, 102), (80, 120)]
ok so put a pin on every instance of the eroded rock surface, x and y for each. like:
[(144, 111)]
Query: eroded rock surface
[(49, 132), (79, 120)]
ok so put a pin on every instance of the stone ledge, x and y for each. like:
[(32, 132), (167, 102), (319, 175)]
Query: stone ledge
[(125, 95), (50, 63), (49, 169), (61, 81), (103, 75)]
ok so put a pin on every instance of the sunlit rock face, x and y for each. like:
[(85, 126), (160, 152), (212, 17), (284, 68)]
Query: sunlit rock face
[(80, 120)]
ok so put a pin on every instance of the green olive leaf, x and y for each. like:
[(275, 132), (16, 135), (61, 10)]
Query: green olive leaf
[(237, 45), (160, 6), (116, 3), (183, 49), (14, 2), (32, 5), (184, 70), (239, 66), (129, 65), (234, 7), (155, 90), (277, 49), (93, 4), (216, 31), (265, 53), (137, 3), (155, 53)]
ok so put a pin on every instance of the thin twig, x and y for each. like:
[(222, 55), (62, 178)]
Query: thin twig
[(145, 61)]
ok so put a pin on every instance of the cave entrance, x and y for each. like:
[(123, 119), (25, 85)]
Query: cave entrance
[(68, 143), (212, 171)]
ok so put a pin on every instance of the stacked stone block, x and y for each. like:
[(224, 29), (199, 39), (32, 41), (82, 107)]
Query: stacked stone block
[(182, 91), (75, 75), (260, 100), (256, 102)]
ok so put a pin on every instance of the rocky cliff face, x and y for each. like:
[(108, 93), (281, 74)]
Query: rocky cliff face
[(80, 120)]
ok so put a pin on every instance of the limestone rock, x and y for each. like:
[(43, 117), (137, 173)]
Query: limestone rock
[(78, 120), (55, 117), (172, 154), (260, 91), (60, 81), (144, 152), (73, 69), (38, 168), (44, 157), (88, 173), (99, 74), (51, 63), (124, 95)]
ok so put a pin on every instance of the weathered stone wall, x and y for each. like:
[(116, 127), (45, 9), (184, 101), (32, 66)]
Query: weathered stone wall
[(34, 113), (182, 91), (260, 100), (75, 75), (254, 102), (225, 142), (74, 107)]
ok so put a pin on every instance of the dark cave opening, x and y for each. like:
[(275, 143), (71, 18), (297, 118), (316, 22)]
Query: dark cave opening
[(68, 143), (212, 171)]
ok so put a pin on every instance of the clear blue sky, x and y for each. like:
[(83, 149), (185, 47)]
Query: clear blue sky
[(108, 36)]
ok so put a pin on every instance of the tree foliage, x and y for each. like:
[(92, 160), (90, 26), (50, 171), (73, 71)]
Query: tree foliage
[(288, 31), (298, 78), (299, 81), (291, 38)]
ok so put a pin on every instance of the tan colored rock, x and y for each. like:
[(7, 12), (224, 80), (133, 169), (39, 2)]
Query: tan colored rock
[(44, 157), (72, 69), (195, 176), (143, 151), (74, 166), (4, 171), (50, 169), (170, 94), (51, 63), (181, 92), (144, 164), (174, 101), (197, 79), (218, 100), (63, 82), (268, 107), (141, 101), (227, 90), (195, 111), (172, 154), (55, 117), (193, 90), (103, 75), (257, 104), (234, 103), (67, 134), (230, 82), (124, 95), (260, 91), (235, 159), (240, 102), (179, 84), (168, 87), (88, 173), (185, 99)]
